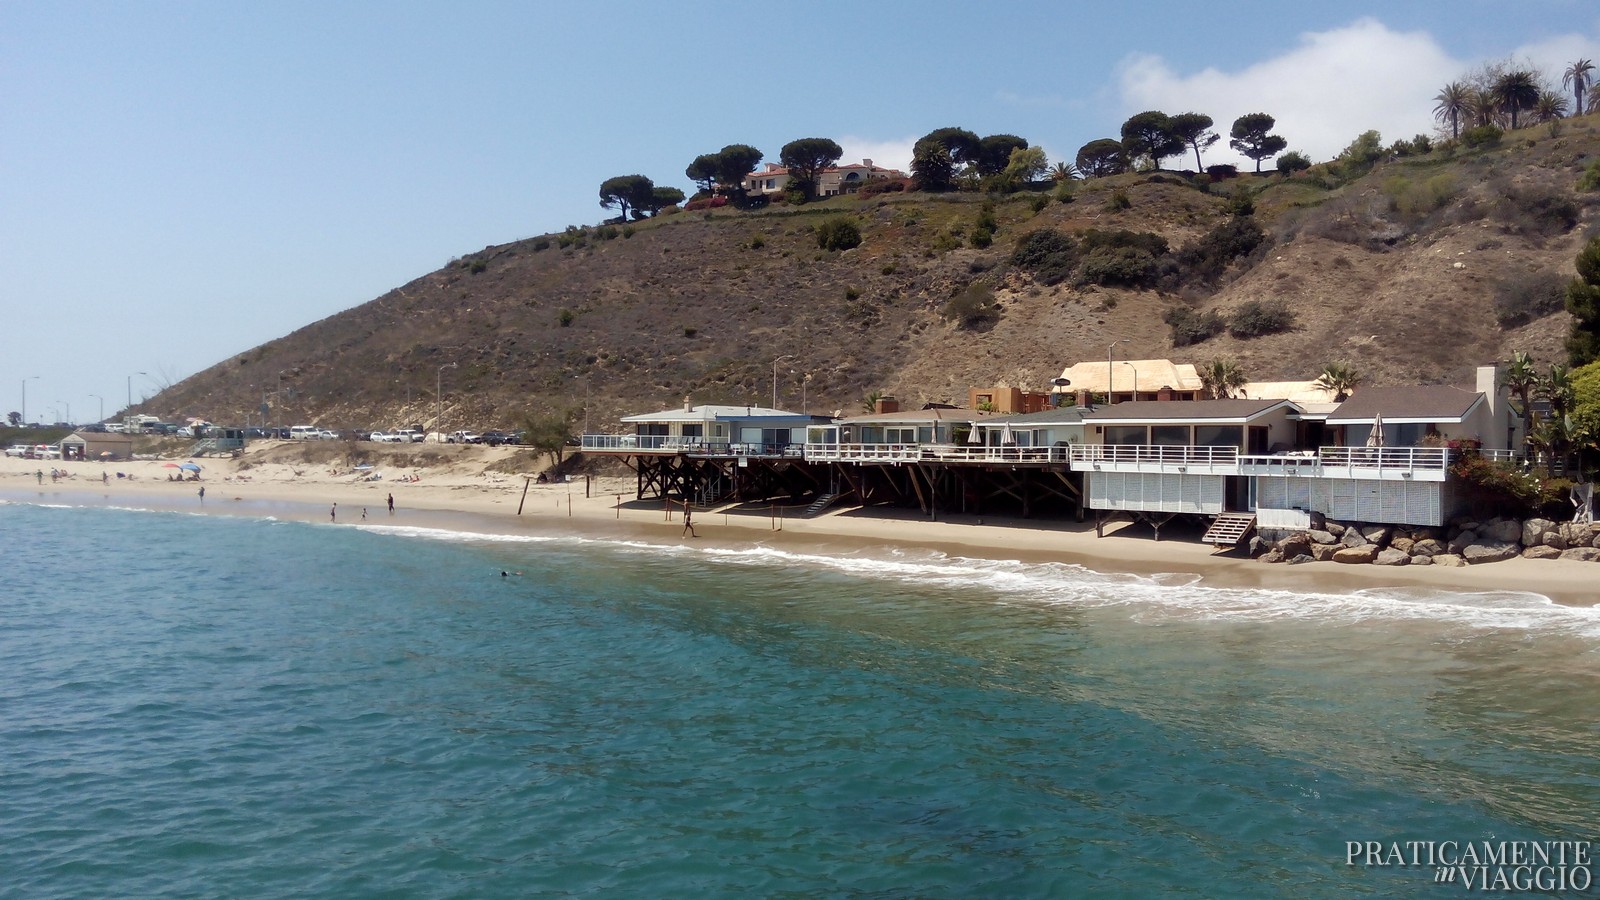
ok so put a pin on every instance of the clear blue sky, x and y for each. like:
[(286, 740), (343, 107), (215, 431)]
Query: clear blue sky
[(180, 182)]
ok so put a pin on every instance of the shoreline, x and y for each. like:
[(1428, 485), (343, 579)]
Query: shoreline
[(455, 497)]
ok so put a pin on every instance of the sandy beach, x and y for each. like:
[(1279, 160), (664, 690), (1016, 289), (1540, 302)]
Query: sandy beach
[(480, 489)]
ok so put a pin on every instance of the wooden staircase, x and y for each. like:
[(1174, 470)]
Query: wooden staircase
[(1228, 529), (820, 504)]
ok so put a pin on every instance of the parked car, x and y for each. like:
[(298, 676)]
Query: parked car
[(18, 451), (496, 438), (305, 433), (462, 437)]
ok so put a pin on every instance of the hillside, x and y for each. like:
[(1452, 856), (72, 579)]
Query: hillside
[(1398, 271)]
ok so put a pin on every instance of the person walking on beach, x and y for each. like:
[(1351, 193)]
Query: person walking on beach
[(202, 494), (363, 513), (391, 504), (333, 513), (688, 521), (40, 473)]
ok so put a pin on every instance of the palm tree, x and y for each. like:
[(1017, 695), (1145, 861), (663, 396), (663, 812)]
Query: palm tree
[(1515, 91), (1455, 101), (1521, 379), (1579, 77), (1549, 107), (1481, 107), (1557, 388), (1222, 378), (1339, 377), (1593, 104), (1064, 171)]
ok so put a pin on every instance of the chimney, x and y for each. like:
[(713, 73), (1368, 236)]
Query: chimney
[(1083, 398), (867, 163), (1165, 393), (886, 405), (688, 405)]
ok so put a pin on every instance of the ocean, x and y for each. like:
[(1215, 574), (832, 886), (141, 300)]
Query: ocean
[(251, 706)]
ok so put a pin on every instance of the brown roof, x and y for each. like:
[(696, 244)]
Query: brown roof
[(1183, 410), (1431, 403), (919, 415)]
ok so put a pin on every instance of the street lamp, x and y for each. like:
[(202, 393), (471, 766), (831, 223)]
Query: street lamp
[(102, 406), (805, 382), (1059, 384), (1135, 377), (438, 396), (25, 397), (775, 377), (1113, 346), (130, 390)]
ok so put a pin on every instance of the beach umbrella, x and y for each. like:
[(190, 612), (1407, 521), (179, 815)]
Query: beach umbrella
[(1375, 437), (190, 467), (169, 465)]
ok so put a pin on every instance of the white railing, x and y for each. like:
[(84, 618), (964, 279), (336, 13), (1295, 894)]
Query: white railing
[(982, 453), (1498, 455), (863, 452), (1410, 459), (628, 443), (1154, 454)]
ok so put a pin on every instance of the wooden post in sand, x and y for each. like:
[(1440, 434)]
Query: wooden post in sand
[(569, 506), (619, 506), (525, 480)]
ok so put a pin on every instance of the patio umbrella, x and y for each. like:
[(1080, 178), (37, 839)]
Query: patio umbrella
[(1005, 434), (190, 467), (973, 437), (1375, 437)]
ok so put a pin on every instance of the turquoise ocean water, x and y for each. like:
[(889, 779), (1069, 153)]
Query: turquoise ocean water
[(246, 707)]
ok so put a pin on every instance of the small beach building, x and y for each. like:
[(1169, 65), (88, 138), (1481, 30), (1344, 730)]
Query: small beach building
[(891, 434), (96, 445), (1125, 380)]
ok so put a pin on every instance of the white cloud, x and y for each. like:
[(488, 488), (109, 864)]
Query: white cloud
[(1331, 87), (895, 154)]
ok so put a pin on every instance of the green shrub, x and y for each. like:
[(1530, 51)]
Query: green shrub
[(838, 233), (565, 318), (1125, 266), (628, 231), (1520, 299), (1255, 318), (1037, 204), (1536, 213), (1590, 180), (1119, 201), (851, 293), (943, 243), (973, 308), (1206, 259), (541, 244), (1192, 327), (1481, 136), (757, 242), (1048, 254), (981, 238), (477, 266)]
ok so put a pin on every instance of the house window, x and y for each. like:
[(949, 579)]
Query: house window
[(693, 431), (1127, 434), (900, 435), (1219, 436), (1169, 435), (872, 434)]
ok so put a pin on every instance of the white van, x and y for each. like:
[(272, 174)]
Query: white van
[(305, 433)]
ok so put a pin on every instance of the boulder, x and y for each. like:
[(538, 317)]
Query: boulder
[(1271, 556), (1534, 530), (1325, 552), (1553, 538), (1489, 552), (1294, 545), (1333, 528), (1392, 557), (1297, 560), (1574, 534), (1355, 555), (1318, 536), (1353, 537), (1462, 540), (1318, 520), (1422, 560), (1377, 534), (1448, 559), (1541, 551), (1403, 543), (1581, 554), (1427, 547), (1257, 546), (1501, 531)]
